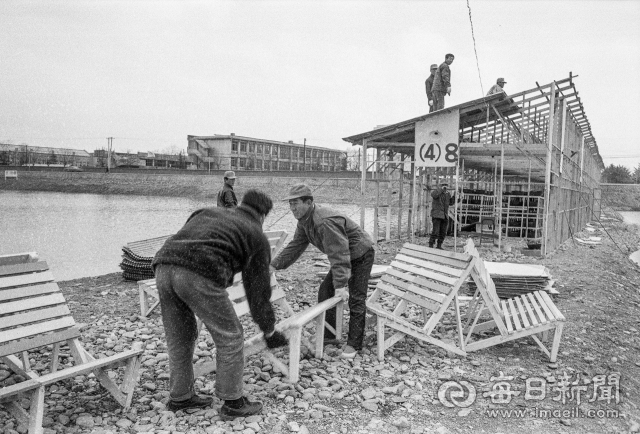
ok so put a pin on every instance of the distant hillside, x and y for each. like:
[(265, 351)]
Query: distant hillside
[(621, 197)]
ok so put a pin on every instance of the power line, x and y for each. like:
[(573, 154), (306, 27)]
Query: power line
[(474, 48)]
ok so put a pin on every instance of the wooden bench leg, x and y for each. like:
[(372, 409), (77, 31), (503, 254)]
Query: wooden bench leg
[(36, 411), (339, 319), (295, 339), (320, 335), (144, 302), (55, 357), (556, 342), (381, 322)]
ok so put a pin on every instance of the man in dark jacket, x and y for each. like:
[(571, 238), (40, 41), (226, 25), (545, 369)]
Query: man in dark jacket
[(428, 84), (440, 213), (442, 82), (193, 270), (350, 252), (226, 196)]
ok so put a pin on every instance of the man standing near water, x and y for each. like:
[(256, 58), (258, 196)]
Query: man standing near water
[(226, 196), (350, 253), (193, 270)]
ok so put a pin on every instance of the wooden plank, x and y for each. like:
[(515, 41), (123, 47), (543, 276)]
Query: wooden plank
[(33, 315), (523, 314), (32, 303), (457, 263), (514, 315), (410, 297), (418, 290), (39, 341), (30, 267), (424, 273), (534, 321), (26, 279), (18, 258), (506, 316), (441, 253), (536, 307), (29, 291), (456, 272), (43, 327), (552, 306), (495, 340), (544, 306), (419, 281)]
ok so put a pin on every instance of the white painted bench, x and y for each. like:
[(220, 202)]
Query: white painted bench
[(11, 174), (33, 315)]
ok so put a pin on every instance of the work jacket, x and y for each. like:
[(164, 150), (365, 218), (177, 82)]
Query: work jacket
[(442, 79), (334, 234), (227, 197), (440, 204), (217, 244), (428, 84)]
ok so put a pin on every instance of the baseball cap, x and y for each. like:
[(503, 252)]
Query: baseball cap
[(434, 66), (298, 190), (230, 174), (500, 80)]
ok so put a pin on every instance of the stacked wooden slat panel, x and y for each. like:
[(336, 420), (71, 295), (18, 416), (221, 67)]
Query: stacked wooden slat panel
[(137, 257), (512, 280)]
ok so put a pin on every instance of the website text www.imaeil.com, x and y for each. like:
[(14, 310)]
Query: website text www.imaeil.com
[(601, 391)]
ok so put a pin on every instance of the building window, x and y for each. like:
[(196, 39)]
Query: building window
[(259, 148), (267, 149), (234, 146), (252, 147), (243, 146), (243, 162), (274, 150), (308, 153)]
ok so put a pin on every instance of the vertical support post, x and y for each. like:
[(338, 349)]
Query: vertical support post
[(375, 212), (363, 184), (563, 121), (455, 216), (547, 177), (501, 187), (412, 196), (400, 191)]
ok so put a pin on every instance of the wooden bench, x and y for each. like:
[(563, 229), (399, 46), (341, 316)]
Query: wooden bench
[(11, 174), (34, 314), (147, 289), (530, 314), (418, 288)]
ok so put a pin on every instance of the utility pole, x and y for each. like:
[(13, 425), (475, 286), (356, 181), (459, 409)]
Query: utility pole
[(109, 144), (304, 155)]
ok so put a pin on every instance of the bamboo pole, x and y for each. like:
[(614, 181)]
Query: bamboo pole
[(363, 184), (501, 186), (412, 202), (547, 177)]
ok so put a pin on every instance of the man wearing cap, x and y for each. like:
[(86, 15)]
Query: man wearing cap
[(226, 196), (193, 269), (440, 213), (429, 84), (350, 253), (498, 87), (442, 82)]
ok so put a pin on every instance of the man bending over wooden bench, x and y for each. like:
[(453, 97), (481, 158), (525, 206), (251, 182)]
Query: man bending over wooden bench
[(192, 270)]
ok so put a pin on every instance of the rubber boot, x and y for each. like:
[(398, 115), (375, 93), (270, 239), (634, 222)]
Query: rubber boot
[(439, 245)]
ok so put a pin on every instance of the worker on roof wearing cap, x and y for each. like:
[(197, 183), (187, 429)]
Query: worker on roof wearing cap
[(226, 196), (428, 84), (498, 87), (440, 213), (442, 82), (350, 253)]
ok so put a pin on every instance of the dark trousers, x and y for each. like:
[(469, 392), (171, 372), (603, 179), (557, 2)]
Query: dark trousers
[(358, 285), (439, 230), (183, 295), (438, 100)]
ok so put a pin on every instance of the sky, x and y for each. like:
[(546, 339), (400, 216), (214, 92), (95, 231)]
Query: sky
[(149, 73)]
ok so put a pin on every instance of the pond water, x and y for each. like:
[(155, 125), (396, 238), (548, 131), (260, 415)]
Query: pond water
[(81, 235), (631, 217)]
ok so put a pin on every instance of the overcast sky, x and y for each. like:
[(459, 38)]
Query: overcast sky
[(151, 72)]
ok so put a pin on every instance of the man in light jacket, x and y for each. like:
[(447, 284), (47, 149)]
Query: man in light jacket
[(351, 255)]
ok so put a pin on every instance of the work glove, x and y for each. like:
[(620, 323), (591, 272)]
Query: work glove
[(343, 292), (276, 340), (430, 103)]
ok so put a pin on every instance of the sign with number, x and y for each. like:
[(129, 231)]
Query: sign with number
[(437, 140)]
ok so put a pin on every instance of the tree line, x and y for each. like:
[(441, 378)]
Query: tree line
[(620, 175)]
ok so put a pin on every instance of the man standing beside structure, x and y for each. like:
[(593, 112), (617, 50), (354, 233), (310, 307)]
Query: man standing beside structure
[(350, 253), (442, 82), (193, 270), (440, 214), (429, 84), (498, 87), (226, 196)]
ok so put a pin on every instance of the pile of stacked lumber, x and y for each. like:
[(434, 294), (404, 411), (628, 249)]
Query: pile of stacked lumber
[(512, 279), (137, 257)]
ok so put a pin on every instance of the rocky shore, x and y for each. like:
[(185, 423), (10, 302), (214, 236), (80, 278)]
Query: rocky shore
[(598, 294)]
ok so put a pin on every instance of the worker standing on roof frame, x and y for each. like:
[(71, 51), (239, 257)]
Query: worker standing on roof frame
[(442, 82)]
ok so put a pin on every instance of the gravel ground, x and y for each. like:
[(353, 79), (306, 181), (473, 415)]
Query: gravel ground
[(599, 296)]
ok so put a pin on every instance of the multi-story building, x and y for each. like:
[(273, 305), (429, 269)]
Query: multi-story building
[(27, 155), (245, 153), (143, 159)]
